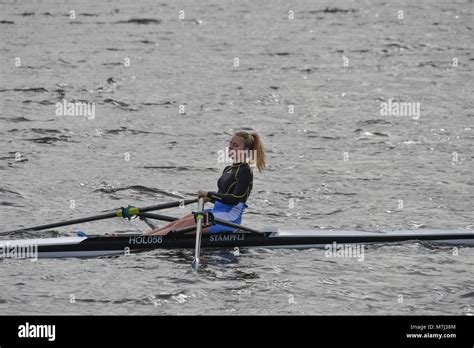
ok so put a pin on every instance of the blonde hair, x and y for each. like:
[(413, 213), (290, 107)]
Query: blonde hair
[(252, 141)]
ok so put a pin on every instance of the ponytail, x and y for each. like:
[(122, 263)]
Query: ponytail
[(258, 146), (253, 142)]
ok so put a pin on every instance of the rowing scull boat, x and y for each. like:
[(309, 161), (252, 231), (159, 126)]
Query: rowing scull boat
[(95, 246)]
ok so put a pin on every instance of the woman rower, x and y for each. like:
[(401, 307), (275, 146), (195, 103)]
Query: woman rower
[(234, 186)]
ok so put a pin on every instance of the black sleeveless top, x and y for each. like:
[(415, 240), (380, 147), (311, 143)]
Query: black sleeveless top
[(234, 185)]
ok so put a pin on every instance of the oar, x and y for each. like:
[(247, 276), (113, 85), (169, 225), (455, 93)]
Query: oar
[(199, 219), (124, 212), (231, 224), (145, 216), (159, 217)]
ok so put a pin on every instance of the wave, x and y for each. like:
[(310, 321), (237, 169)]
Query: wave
[(143, 190), (140, 21), (121, 105), (332, 10)]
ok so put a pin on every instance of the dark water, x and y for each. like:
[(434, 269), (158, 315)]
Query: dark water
[(335, 162)]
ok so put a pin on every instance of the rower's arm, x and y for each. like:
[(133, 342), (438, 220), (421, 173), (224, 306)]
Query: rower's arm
[(239, 191)]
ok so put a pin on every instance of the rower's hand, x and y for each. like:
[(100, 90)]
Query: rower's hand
[(203, 194)]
